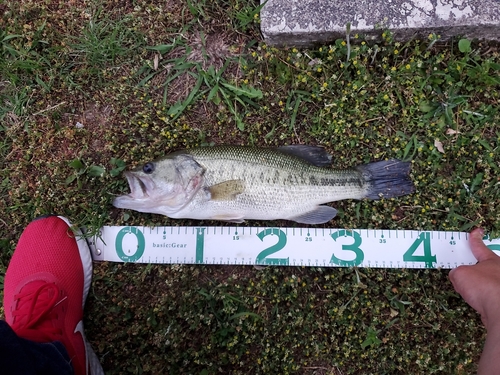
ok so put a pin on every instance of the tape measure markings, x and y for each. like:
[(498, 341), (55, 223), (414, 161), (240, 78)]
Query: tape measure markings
[(285, 246)]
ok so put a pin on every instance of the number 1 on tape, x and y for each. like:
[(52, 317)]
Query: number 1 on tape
[(285, 247)]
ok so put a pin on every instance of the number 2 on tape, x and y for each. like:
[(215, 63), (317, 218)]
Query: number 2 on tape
[(261, 258)]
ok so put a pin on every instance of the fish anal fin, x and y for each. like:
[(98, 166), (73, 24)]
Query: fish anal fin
[(319, 215), (316, 155), (227, 190), (233, 218)]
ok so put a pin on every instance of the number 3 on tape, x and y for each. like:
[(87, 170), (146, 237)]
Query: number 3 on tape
[(354, 247)]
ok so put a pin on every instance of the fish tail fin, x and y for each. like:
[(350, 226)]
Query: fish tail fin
[(387, 178)]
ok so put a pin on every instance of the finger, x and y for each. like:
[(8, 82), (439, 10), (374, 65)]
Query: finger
[(454, 275), (480, 251)]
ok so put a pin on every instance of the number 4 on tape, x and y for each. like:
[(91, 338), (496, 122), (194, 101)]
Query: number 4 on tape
[(424, 239)]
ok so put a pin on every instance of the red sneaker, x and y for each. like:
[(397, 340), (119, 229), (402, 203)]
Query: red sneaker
[(45, 287)]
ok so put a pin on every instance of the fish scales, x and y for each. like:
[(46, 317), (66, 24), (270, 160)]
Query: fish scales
[(287, 185), (235, 183)]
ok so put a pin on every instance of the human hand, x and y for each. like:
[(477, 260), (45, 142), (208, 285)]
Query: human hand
[(479, 284)]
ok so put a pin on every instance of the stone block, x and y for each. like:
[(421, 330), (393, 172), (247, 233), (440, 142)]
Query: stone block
[(306, 22)]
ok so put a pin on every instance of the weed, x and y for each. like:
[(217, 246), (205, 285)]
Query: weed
[(103, 47), (464, 45), (230, 95), (245, 14), (118, 166), (81, 169), (371, 338), (209, 84)]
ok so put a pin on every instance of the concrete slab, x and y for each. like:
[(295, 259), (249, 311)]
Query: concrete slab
[(306, 22)]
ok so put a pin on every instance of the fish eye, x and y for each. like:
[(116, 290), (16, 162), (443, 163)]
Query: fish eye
[(148, 168)]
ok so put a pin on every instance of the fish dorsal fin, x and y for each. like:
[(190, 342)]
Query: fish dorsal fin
[(316, 155), (227, 190)]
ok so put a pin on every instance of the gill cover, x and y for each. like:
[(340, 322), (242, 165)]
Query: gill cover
[(163, 186)]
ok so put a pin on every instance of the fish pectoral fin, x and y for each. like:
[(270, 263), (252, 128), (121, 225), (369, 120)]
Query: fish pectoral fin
[(227, 190), (233, 218), (319, 215)]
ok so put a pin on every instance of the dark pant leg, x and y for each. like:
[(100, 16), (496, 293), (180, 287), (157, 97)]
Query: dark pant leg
[(24, 357)]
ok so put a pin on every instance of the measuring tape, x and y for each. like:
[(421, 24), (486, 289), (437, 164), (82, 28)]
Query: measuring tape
[(315, 247)]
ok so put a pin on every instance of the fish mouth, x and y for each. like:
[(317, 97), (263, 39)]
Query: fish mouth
[(141, 193), (140, 186)]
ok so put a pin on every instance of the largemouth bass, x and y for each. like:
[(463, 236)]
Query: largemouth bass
[(234, 183)]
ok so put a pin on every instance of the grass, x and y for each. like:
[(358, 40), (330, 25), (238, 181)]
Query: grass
[(87, 88)]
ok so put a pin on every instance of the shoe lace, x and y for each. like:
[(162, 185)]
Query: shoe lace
[(34, 315)]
